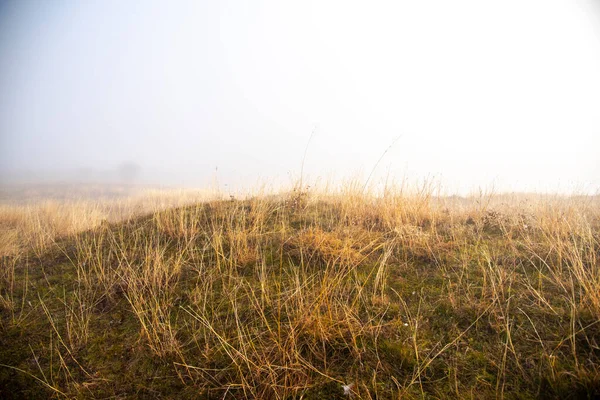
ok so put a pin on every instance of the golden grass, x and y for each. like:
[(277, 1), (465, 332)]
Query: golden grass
[(402, 295), (35, 224)]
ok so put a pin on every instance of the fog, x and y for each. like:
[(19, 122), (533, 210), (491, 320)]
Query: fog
[(470, 93)]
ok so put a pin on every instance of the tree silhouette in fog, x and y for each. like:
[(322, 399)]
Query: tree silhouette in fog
[(129, 172)]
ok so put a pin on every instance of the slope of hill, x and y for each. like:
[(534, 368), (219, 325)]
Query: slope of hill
[(308, 296)]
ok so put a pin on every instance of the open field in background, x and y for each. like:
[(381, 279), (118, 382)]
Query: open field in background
[(33, 216), (187, 294)]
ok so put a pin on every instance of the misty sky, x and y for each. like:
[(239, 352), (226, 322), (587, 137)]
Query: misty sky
[(481, 92)]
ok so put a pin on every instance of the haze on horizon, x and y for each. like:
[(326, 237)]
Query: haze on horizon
[(480, 93)]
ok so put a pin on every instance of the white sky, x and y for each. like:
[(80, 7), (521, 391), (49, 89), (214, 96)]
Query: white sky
[(503, 92)]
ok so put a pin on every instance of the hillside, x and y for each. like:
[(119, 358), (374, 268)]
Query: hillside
[(306, 296)]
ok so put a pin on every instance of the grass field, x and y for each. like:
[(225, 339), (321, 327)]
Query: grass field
[(307, 294)]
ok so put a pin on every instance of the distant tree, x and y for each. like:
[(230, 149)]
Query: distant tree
[(129, 172)]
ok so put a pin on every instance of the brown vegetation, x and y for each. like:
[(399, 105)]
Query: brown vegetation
[(404, 295)]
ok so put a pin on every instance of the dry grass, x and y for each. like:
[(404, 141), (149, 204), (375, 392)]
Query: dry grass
[(402, 295)]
